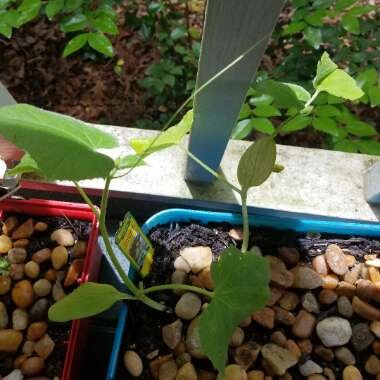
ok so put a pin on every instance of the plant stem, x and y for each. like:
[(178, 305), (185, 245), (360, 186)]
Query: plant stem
[(188, 288), (211, 171), (244, 209), (311, 100)]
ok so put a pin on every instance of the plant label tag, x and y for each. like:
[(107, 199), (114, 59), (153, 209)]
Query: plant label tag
[(135, 245)]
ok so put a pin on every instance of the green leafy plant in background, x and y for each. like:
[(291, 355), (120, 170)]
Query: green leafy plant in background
[(269, 102)]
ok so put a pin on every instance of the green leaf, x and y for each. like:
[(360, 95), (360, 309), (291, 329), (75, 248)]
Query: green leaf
[(296, 124), (346, 145), (263, 125), (331, 99), (74, 23), (325, 67), (28, 9), (351, 24), (266, 111), (374, 95), (369, 147), (327, 110), (361, 129), (178, 32), (346, 116), (75, 44), (72, 5), (367, 78), (53, 7), (360, 11), (245, 111), (5, 29), (293, 28), (170, 137), (343, 4), (63, 148), (340, 84), (261, 100), (100, 43), (105, 24), (26, 165), (11, 18), (326, 125), (242, 129), (241, 288), (313, 36), (87, 300), (316, 18), (257, 163), (129, 161)]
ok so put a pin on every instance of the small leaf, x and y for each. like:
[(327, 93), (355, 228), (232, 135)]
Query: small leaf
[(242, 129), (261, 100), (75, 44), (326, 125), (53, 7), (327, 110), (351, 24), (100, 43), (5, 29), (257, 162), (340, 84), (367, 78), (178, 33), (360, 11), (241, 288), (324, 68), (245, 111), (72, 5), (296, 124), (263, 125), (313, 36), (74, 23), (266, 111), (346, 145), (26, 165), (170, 137), (343, 4), (374, 95), (369, 147), (361, 129), (87, 300), (293, 28), (316, 18), (129, 161), (105, 24)]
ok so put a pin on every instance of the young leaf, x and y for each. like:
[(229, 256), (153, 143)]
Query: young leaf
[(257, 163), (129, 161), (374, 95), (26, 165), (361, 129), (369, 147), (326, 125), (340, 84), (313, 36), (170, 137), (351, 24), (293, 28), (242, 129), (296, 124), (100, 43), (75, 44), (346, 145), (325, 67), (241, 288), (72, 144), (245, 111), (74, 23), (261, 100), (5, 29), (263, 125), (87, 300), (53, 7), (105, 24), (266, 111)]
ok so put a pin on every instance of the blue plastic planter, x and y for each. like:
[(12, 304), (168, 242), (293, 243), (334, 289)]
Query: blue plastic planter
[(279, 222)]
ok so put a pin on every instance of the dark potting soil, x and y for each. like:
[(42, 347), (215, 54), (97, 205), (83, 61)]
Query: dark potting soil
[(145, 336), (58, 332)]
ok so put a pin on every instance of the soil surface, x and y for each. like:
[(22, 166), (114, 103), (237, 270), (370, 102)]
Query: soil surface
[(146, 337)]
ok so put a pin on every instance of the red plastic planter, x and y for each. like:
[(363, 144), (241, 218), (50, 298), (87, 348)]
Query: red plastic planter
[(79, 328)]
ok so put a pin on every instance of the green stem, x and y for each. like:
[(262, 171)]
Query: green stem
[(211, 171), (244, 209), (188, 288), (311, 100)]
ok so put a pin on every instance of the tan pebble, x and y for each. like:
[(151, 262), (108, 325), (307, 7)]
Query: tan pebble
[(350, 260), (33, 366), (237, 337), (264, 317), (306, 278), (374, 262), (5, 244), (197, 257), (372, 365), (329, 373), (365, 289), (17, 271), (324, 353), (57, 291), (172, 334), (276, 294), (292, 346), (289, 255), (22, 294), (9, 225), (63, 237), (182, 359), (180, 348), (319, 264), (155, 364), (346, 289), (80, 249), (187, 372), (286, 376), (232, 372), (196, 281), (23, 231), (21, 243), (371, 256), (305, 346), (167, 371), (236, 234), (278, 360), (374, 274), (364, 272), (40, 226), (246, 322), (36, 330), (352, 275), (42, 255), (206, 278), (364, 309), (5, 284), (28, 347), (375, 328), (329, 281), (42, 287), (206, 375), (181, 264), (336, 259), (283, 316), (3, 316), (255, 375), (59, 257), (327, 296), (279, 274), (193, 343), (133, 363), (279, 338), (18, 362), (304, 324), (289, 301), (51, 275), (376, 347), (74, 272), (188, 306), (20, 319), (10, 340), (246, 354), (32, 269), (351, 373)]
